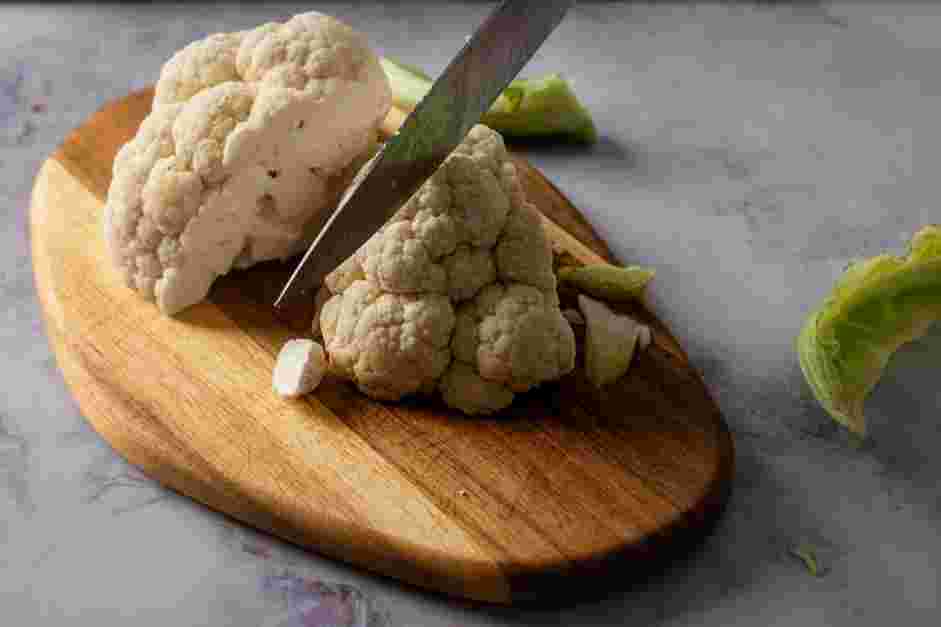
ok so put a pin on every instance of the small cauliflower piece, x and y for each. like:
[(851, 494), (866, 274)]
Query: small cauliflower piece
[(299, 368), (252, 134), (455, 293), (609, 283), (610, 339)]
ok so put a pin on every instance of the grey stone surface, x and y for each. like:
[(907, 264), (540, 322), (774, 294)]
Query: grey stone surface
[(747, 153)]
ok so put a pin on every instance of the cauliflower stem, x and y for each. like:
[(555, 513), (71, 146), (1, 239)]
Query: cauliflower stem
[(543, 107), (607, 282)]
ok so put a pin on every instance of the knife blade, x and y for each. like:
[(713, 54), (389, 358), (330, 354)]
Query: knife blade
[(470, 84)]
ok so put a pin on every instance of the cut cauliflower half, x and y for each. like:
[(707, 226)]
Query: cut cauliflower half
[(455, 293), (252, 134)]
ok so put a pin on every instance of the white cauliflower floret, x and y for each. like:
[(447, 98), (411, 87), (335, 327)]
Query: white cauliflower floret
[(252, 135), (523, 249), (516, 335), (399, 261), (463, 388), (201, 64), (468, 256), (390, 344)]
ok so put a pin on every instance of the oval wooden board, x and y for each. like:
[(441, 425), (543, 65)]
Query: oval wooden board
[(569, 482)]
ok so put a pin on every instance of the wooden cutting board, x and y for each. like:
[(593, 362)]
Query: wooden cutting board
[(570, 490)]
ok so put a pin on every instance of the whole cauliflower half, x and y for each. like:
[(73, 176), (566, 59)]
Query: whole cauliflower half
[(252, 134), (455, 293)]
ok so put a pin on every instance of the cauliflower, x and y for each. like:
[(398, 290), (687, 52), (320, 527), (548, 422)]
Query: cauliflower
[(299, 369), (252, 134), (455, 293), (610, 341)]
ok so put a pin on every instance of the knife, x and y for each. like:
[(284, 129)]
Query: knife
[(470, 84)]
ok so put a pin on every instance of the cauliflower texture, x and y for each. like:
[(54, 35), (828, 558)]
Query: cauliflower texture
[(455, 293), (252, 134)]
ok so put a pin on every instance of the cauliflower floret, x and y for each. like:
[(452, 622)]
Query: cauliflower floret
[(467, 254), (390, 344), (201, 64), (516, 335), (462, 388), (524, 253), (251, 136), (469, 269), (299, 369)]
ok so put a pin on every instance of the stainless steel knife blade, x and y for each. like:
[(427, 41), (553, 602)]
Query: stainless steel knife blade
[(470, 84)]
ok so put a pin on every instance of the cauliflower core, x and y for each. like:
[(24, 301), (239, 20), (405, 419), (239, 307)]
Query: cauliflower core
[(252, 134), (455, 293)]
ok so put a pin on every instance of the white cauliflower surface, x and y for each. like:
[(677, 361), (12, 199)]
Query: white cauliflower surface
[(299, 369), (252, 134), (455, 293)]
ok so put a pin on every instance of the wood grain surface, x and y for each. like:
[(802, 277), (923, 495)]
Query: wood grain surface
[(567, 491)]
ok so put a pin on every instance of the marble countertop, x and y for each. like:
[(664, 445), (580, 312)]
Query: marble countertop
[(747, 153)]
